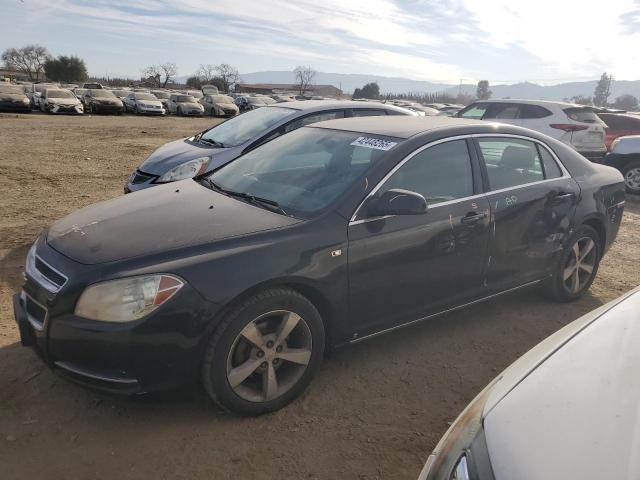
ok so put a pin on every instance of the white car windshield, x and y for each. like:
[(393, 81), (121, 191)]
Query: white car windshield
[(245, 127), (145, 96), (60, 94)]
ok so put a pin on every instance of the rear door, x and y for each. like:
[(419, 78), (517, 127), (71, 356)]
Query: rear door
[(404, 267), (533, 201)]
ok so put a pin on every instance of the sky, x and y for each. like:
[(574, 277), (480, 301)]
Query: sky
[(504, 41)]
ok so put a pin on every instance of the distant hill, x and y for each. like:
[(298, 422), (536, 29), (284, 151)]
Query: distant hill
[(349, 82)]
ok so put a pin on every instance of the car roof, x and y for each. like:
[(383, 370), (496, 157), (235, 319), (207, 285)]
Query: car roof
[(319, 105), (533, 102), (399, 126)]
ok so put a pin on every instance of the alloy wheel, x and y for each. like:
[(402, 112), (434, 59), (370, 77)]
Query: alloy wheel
[(632, 178), (580, 265), (269, 356)]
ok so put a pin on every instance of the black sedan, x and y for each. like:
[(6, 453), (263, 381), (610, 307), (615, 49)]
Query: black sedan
[(13, 99), (242, 279)]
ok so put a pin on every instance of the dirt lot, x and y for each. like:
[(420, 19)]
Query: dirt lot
[(375, 411)]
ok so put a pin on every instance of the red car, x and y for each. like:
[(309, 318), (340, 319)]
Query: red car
[(619, 125)]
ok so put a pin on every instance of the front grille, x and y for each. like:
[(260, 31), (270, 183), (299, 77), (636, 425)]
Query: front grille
[(141, 177), (36, 313), (50, 274), (44, 274)]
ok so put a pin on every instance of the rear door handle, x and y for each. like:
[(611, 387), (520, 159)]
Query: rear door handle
[(562, 196), (472, 217)]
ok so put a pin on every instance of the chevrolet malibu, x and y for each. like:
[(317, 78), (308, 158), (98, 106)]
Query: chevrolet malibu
[(240, 280), (567, 409), (225, 142)]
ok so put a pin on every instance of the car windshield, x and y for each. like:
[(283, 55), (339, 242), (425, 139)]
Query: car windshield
[(60, 94), (161, 94), (11, 89), (145, 96), (584, 115), (222, 99), (301, 172), (186, 99), (245, 127), (102, 94)]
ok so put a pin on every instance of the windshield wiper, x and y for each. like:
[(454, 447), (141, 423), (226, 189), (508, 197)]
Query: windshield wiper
[(265, 203), (209, 141)]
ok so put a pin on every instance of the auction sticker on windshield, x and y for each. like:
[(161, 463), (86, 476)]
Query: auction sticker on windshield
[(375, 143)]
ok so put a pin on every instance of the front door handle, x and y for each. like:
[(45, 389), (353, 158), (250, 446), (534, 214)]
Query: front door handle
[(563, 196), (473, 217)]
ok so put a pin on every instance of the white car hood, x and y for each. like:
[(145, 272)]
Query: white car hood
[(576, 415)]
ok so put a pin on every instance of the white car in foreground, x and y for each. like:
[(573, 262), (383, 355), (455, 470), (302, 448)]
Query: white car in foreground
[(575, 125), (567, 409)]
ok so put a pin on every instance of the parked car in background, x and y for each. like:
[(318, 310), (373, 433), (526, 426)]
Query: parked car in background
[(282, 98), (219, 105), (120, 93), (13, 99), (184, 105), (79, 93), (163, 96), (575, 125), (210, 149), (247, 102), (328, 235), (625, 156), (143, 103), (36, 91), (619, 125), (57, 100), (566, 409), (102, 101), (209, 90), (197, 94), (92, 85)]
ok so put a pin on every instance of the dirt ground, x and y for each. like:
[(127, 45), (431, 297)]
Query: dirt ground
[(375, 410)]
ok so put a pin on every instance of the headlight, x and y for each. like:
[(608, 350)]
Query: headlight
[(126, 299), (25, 100), (462, 452), (186, 170)]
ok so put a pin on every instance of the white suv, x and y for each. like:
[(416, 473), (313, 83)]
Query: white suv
[(575, 125)]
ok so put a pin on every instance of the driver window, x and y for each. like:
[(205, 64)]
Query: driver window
[(439, 173)]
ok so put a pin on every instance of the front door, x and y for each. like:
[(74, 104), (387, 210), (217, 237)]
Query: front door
[(533, 202), (404, 267)]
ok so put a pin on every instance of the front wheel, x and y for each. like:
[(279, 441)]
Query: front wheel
[(577, 267), (264, 353), (631, 173)]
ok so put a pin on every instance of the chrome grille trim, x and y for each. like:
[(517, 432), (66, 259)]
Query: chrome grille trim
[(42, 280)]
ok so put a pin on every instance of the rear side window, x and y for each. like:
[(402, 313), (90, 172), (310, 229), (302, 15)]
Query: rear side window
[(510, 162), (551, 168), (584, 115), (314, 118), (367, 113), (502, 110), (475, 111), (533, 111), (439, 173)]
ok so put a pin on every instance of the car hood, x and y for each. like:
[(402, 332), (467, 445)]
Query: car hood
[(157, 103), (175, 153), (64, 101), (190, 104), (155, 220), (578, 402), (227, 105)]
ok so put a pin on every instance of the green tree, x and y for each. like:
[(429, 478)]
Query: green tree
[(626, 102), (65, 69), (370, 90), (194, 82), (482, 90), (602, 90)]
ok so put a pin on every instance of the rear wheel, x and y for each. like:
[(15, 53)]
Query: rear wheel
[(577, 267), (264, 353), (631, 173)]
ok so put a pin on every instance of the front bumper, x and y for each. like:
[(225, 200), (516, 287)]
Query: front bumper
[(158, 352), (6, 106), (72, 109), (151, 110), (106, 108)]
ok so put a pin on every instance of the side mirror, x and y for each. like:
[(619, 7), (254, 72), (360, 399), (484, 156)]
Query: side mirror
[(397, 202)]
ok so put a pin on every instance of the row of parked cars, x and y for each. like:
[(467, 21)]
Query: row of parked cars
[(252, 248)]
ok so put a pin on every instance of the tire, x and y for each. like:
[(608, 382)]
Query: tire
[(564, 288), (137, 111), (631, 173), (179, 112), (124, 107), (262, 315)]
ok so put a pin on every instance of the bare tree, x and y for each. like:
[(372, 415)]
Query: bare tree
[(206, 73), (304, 77), (227, 74), (156, 73), (29, 60), (170, 70)]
